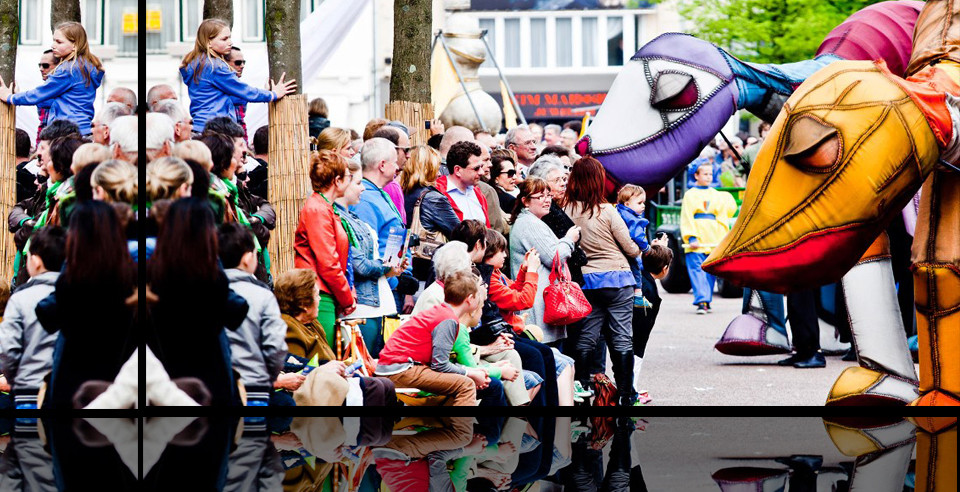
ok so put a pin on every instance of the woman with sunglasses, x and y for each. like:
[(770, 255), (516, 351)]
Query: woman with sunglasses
[(70, 90), (214, 88), (503, 176)]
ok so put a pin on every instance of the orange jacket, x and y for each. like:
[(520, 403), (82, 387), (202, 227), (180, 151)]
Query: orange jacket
[(321, 244), (513, 296)]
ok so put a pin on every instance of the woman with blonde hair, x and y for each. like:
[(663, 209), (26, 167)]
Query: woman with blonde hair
[(72, 87), (168, 178), (115, 181), (212, 85), (195, 151), (418, 179), (89, 153), (337, 140)]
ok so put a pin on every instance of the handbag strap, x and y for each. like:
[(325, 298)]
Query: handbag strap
[(558, 272)]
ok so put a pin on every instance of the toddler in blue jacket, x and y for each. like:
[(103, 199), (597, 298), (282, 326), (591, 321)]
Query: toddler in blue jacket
[(630, 204)]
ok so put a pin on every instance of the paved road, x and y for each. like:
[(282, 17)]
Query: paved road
[(682, 367)]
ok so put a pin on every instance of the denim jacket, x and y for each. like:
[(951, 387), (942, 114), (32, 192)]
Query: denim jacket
[(366, 270)]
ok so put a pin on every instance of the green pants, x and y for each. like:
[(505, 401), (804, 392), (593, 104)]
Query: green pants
[(327, 317)]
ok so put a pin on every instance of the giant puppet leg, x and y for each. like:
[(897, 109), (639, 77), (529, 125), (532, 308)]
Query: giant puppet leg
[(936, 263), (882, 449), (936, 454), (886, 375)]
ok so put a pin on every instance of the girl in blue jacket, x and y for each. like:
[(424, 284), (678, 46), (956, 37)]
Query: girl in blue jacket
[(72, 87), (213, 86)]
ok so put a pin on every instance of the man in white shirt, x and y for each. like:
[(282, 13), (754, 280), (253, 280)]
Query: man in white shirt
[(465, 166)]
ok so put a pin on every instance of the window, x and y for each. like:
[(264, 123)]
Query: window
[(511, 42), (253, 19), (538, 42), (161, 25), (589, 38), (490, 26), (564, 42), (123, 28), (614, 41), (30, 22), (91, 20), (190, 16)]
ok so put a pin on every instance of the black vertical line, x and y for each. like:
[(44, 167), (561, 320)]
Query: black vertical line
[(141, 231)]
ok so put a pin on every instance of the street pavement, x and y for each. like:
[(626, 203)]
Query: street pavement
[(681, 366)]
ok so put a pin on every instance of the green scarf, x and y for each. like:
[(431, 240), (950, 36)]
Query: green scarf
[(343, 221), (242, 217)]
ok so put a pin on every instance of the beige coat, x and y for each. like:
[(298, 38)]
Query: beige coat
[(605, 239)]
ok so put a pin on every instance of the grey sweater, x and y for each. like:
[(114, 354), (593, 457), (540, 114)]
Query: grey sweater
[(26, 349), (530, 232), (259, 345)]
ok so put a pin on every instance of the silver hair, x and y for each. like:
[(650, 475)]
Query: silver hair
[(569, 131), (374, 151), (171, 108), (125, 133), (511, 137), (159, 130), (554, 127), (111, 111), (152, 93), (542, 167), (129, 97), (450, 259)]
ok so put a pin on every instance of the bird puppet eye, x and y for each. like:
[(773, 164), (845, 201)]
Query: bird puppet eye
[(812, 145), (674, 91)]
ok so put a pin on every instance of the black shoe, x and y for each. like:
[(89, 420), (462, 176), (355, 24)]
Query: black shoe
[(814, 362), (850, 356), (789, 361)]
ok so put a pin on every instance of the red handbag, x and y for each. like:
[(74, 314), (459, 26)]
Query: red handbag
[(564, 302)]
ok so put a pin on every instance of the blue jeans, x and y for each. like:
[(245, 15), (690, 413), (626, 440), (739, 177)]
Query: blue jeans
[(701, 281), (772, 305)]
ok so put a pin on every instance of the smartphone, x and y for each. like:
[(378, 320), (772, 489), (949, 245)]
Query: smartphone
[(426, 124)]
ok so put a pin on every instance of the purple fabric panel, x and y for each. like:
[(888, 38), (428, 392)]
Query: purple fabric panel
[(882, 31), (653, 163), (686, 49)]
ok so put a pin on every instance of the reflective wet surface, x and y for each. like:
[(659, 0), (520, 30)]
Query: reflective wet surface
[(487, 453)]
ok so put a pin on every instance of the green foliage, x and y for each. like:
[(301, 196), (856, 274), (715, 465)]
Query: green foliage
[(767, 31)]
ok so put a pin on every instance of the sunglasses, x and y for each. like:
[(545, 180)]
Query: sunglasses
[(406, 150), (44, 66), (511, 173), (239, 63)]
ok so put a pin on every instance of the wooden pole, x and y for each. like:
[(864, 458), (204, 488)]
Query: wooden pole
[(9, 36), (64, 11), (410, 71), (289, 141), (219, 9), (288, 174)]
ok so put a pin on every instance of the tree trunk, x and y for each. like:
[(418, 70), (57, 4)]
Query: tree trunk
[(9, 36), (219, 9), (410, 71), (64, 11), (289, 141)]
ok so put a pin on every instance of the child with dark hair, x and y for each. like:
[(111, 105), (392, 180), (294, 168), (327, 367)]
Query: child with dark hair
[(257, 348), (26, 349)]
